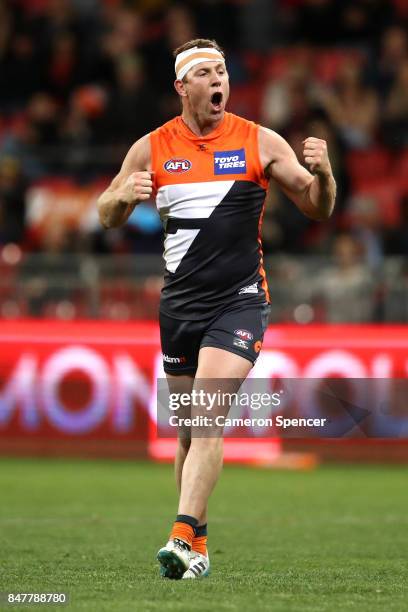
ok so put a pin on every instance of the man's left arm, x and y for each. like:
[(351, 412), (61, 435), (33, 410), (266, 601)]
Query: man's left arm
[(314, 194)]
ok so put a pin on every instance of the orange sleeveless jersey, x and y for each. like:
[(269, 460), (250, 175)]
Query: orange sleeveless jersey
[(210, 192)]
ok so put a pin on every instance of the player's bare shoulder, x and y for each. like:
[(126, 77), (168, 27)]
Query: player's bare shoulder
[(138, 159), (132, 185), (272, 147), (142, 152)]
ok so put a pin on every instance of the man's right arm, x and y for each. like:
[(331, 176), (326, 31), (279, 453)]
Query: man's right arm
[(313, 195), (131, 186)]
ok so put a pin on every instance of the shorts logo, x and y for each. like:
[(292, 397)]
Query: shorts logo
[(257, 346), (177, 164), (244, 334), (168, 359), (249, 289), (241, 343), (230, 162)]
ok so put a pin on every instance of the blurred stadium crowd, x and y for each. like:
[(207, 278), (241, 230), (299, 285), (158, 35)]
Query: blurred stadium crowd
[(80, 80)]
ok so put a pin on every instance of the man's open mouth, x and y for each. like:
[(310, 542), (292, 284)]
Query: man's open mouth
[(216, 100)]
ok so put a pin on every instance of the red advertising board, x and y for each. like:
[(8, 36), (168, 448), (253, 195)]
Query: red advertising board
[(89, 387), (76, 387)]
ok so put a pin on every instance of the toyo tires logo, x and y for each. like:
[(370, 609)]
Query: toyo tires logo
[(177, 164)]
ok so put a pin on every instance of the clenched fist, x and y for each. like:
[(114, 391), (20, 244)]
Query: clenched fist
[(315, 154), (137, 187)]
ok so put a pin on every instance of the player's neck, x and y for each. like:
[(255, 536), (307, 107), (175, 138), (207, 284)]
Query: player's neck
[(200, 127)]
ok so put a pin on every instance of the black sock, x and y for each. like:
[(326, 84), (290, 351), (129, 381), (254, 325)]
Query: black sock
[(201, 530), (189, 520)]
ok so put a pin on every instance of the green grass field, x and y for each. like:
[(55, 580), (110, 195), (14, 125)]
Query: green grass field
[(332, 539)]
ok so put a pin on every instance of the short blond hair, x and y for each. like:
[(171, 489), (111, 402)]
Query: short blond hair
[(200, 43)]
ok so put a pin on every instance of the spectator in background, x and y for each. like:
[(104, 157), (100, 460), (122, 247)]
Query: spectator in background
[(58, 276), (121, 32), (319, 126), (360, 22), (315, 22), (395, 117), (260, 24), (283, 232), (366, 222), (284, 228), (396, 288), (126, 34), (32, 137), (6, 28), (82, 130), (346, 286), (144, 230), (86, 8), (43, 115), (218, 19), (393, 53), (21, 72), (177, 26), (60, 16), (12, 202), (396, 239), (57, 32), (132, 108), (62, 73), (288, 100), (353, 107)]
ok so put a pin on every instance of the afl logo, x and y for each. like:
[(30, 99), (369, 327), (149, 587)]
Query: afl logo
[(244, 334), (177, 165)]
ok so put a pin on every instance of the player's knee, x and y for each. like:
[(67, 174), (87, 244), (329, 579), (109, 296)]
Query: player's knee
[(209, 444), (185, 443)]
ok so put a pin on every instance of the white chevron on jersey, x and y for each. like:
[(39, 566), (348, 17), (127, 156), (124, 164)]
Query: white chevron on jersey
[(187, 201), (176, 246)]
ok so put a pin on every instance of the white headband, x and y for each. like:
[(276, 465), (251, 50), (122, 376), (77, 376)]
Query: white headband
[(192, 57)]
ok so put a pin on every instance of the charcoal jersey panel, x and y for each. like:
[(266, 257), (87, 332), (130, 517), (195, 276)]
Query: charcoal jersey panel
[(210, 193)]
